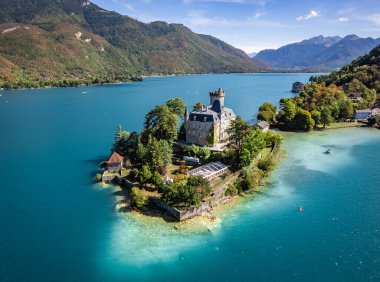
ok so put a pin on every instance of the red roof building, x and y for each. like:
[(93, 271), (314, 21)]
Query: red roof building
[(115, 162)]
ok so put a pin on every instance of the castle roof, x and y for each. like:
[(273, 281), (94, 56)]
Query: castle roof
[(115, 158), (216, 107), (204, 116)]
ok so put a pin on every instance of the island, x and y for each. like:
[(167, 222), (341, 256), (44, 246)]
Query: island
[(185, 163)]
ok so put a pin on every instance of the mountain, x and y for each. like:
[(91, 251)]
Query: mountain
[(76, 39), (361, 74), (318, 53)]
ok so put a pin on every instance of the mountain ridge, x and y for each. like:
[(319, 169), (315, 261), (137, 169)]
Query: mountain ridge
[(318, 53), (80, 40)]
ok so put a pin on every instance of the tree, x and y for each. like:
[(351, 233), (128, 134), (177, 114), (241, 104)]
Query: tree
[(303, 120), (145, 175), (187, 192), (267, 112), (161, 123), (157, 153), (156, 179), (177, 106), (239, 128), (287, 113), (316, 116), (121, 139), (326, 118), (138, 199), (198, 106), (346, 110)]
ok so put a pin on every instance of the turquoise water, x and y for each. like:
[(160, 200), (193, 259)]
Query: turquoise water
[(57, 225)]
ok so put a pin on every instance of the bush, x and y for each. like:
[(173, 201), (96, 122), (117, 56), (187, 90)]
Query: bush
[(156, 179), (138, 199), (98, 177), (266, 164), (231, 190)]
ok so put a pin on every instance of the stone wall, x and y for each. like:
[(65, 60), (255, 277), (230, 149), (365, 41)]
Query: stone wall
[(198, 132)]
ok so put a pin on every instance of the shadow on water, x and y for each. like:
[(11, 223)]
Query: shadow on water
[(96, 161)]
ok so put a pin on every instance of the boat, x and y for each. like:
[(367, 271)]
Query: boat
[(328, 151), (300, 209)]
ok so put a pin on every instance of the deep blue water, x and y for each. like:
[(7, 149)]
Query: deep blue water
[(58, 225)]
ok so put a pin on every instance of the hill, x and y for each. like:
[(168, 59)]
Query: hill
[(318, 53), (358, 76), (75, 39)]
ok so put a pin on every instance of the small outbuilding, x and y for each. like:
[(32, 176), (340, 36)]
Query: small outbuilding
[(115, 163), (355, 97), (263, 125)]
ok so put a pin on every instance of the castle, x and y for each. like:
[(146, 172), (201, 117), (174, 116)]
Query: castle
[(209, 125)]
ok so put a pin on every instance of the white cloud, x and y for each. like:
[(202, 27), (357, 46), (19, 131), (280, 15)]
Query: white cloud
[(374, 18), (311, 14), (198, 18), (343, 19)]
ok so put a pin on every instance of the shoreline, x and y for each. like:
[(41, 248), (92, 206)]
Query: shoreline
[(150, 76), (206, 221)]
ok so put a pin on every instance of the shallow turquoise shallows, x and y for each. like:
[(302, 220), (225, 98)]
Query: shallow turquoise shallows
[(58, 225)]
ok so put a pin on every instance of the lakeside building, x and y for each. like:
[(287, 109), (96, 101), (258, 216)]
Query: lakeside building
[(115, 163), (366, 113), (263, 125), (355, 97), (209, 125)]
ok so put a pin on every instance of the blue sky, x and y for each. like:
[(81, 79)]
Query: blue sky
[(254, 25)]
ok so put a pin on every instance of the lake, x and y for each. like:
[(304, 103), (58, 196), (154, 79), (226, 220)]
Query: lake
[(58, 225)]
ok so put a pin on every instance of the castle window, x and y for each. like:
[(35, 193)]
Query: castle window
[(205, 118), (194, 117)]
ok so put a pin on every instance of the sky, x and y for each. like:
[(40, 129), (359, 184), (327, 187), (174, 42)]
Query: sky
[(254, 25)]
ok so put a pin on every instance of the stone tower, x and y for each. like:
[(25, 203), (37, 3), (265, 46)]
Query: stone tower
[(217, 95)]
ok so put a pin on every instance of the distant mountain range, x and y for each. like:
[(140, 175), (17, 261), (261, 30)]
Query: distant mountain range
[(318, 53), (69, 39)]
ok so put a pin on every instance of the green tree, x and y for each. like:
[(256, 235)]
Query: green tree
[(177, 106), (287, 113), (198, 106), (157, 153), (267, 112), (188, 192), (161, 123), (303, 120), (138, 199), (346, 110), (156, 179), (145, 175), (326, 118), (316, 116), (237, 131)]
